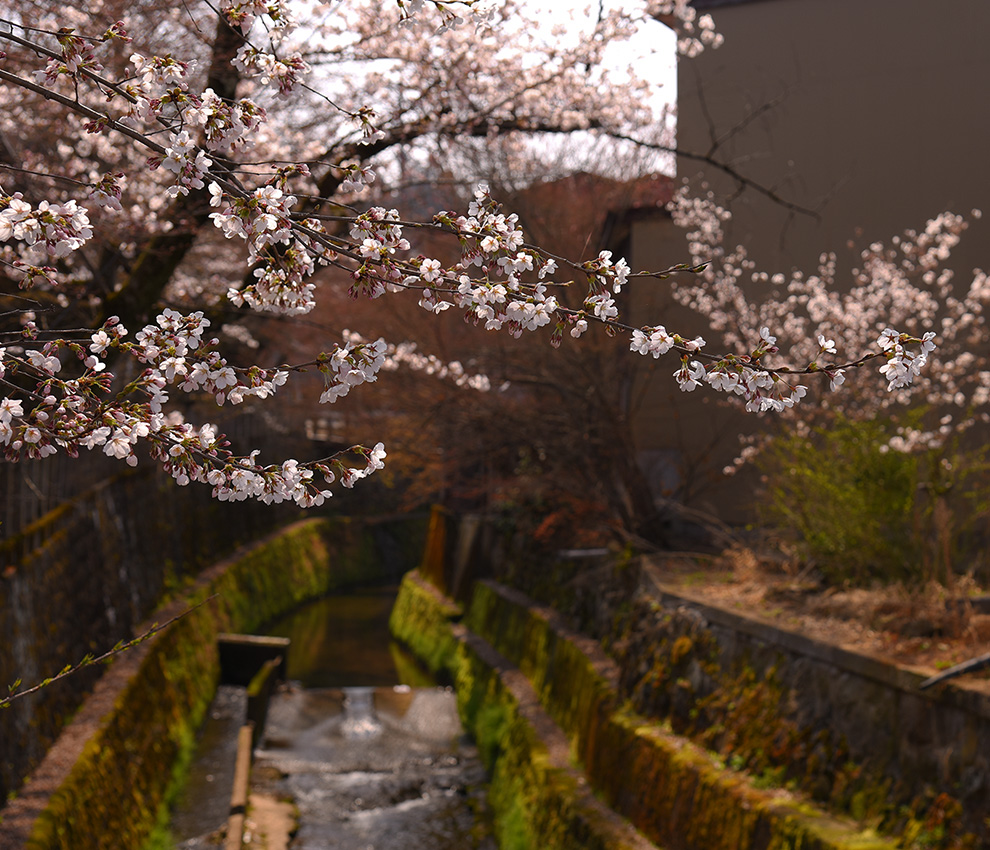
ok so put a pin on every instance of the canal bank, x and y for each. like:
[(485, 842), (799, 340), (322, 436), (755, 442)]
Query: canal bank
[(567, 757), (575, 760), (107, 781), (852, 735)]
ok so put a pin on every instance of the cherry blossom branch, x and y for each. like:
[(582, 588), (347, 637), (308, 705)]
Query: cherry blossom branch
[(81, 109), (86, 71), (499, 281)]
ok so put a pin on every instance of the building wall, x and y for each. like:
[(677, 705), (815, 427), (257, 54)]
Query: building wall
[(875, 113), (683, 440)]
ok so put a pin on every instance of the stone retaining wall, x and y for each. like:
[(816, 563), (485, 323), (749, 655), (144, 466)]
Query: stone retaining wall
[(675, 793), (853, 731), (105, 782), (82, 577), (540, 800)]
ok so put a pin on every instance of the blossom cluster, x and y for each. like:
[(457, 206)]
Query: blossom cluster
[(205, 152), (284, 68), (77, 54), (493, 281), (487, 282), (480, 11), (695, 32), (903, 365), (75, 413), (286, 72), (377, 236), (350, 365), (161, 94), (58, 229), (813, 316), (263, 218), (406, 355), (186, 161), (904, 296)]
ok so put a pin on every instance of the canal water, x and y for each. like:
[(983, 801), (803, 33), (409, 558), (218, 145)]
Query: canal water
[(343, 641), (375, 769), (362, 741)]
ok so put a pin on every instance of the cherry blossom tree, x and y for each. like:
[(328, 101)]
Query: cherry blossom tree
[(854, 442), (908, 282), (129, 140)]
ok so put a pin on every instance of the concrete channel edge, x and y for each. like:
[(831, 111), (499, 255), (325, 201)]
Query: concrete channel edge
[(513, 653), (143, 714)]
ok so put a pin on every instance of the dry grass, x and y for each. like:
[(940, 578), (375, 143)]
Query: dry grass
[(927, 628)]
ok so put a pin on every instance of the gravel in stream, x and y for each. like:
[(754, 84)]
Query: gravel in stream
[(374, 769)]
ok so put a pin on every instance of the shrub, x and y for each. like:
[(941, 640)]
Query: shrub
[(874, 501)]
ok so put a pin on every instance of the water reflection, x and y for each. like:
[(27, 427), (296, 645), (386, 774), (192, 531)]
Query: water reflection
[(343, 641)]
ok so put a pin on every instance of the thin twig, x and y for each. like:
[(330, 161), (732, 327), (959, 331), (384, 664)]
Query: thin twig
[(90, 660), (971, 666)]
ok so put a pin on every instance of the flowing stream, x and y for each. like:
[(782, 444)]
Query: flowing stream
[(374, 768), (365, 744)]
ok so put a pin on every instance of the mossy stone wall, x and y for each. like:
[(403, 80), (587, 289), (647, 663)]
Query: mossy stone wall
[(422, 618), (84, 576), (674, 792), (115, 791), (540, 802), (852, 731)]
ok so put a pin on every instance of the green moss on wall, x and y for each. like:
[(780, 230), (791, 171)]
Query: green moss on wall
[(672, 790), (572, 690), (536, 805), (85, 575), (748, 707), (421, 619), (115, 793)]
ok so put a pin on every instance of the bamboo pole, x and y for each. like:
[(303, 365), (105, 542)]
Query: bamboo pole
[(239, 796)]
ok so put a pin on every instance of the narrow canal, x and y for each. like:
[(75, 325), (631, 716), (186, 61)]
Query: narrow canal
[(365, 745), (343, 641)]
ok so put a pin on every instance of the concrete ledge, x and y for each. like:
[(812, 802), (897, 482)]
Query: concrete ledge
[(563, 686), (239, 796), (259, 693), (671, 789), (971, 697), (241, 656), (540, 799)]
